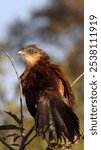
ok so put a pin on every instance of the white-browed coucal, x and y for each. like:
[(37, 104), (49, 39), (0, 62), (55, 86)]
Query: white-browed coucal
[(49, 96)]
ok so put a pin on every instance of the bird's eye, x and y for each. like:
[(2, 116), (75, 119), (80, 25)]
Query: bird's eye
[(33, 51)]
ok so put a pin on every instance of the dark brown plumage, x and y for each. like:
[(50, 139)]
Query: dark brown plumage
[(49, 96)]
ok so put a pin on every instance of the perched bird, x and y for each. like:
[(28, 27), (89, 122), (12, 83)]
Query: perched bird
[(49, 96)]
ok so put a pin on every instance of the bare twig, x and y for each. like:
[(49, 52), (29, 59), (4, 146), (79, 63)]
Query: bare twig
[(21, 109), (77, 79), (25, 138)]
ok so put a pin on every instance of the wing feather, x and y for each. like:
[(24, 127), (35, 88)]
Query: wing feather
[(68, 92)]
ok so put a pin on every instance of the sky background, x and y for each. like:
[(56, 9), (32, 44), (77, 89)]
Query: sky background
[(11, 10)]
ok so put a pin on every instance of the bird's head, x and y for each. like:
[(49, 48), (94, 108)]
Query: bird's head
[(31, 54)]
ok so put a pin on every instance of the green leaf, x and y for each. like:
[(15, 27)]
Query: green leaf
[(14, 117), (9, 127), (12, 135), (16, 138)]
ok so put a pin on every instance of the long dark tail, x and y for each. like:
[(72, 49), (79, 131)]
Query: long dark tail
[(55, 119)]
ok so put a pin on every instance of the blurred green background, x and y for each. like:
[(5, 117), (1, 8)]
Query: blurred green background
[(55, 26)]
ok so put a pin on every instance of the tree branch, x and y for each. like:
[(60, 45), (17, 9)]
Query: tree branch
[(21, 106)]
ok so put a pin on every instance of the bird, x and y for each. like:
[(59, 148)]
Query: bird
[(49, 96)]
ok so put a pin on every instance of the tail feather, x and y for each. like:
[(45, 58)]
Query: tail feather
[(50, 130), (65, 118), (44, 120), (55, 119)]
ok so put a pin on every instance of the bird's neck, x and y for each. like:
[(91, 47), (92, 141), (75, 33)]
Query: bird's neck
[(44, 61)]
